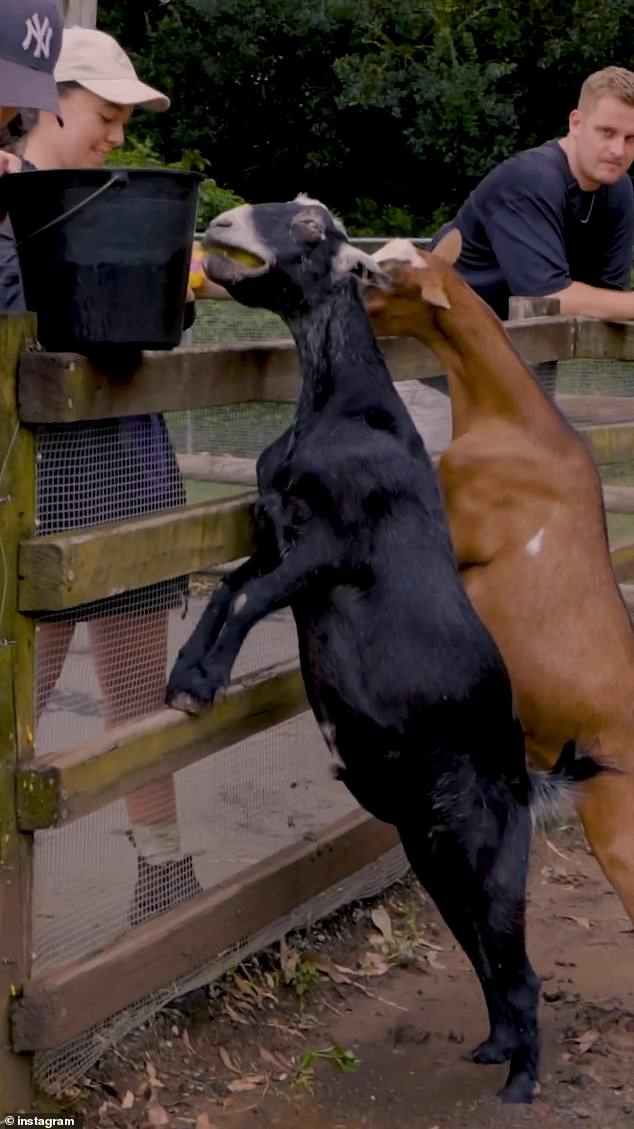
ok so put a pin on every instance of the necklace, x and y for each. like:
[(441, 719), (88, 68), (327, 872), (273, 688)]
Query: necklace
[(590, 208)]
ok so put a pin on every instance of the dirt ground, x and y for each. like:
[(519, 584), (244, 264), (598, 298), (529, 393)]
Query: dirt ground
[(366, 1021)]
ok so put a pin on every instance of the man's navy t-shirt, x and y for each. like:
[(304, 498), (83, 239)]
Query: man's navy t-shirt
[(529, 229)]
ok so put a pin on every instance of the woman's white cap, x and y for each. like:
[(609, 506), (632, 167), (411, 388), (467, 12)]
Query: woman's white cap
[(96, 61)]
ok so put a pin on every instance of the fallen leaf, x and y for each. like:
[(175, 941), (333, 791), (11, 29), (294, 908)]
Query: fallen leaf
[(328, 966), (587, 1040), (157, 1115), (288, 960), (371, 964), (154, 1080), (376, 939), (246, 987), (203, 1122), (127, 1100), (250, 1082), (231, 1011), (432, 959), (583, 921), (273, 1060), (187, 1041), (428, 944), (381, 919), (229, 1063)]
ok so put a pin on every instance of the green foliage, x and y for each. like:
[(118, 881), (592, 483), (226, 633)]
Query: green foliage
[(302, 976), (345, 1060), (388, 110), (139, 152)]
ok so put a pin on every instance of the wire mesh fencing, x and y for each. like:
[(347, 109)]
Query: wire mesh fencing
[(107, 662)]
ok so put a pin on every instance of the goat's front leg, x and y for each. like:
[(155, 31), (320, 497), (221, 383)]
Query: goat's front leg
[(307, 563), (208, 628), (265, 558)]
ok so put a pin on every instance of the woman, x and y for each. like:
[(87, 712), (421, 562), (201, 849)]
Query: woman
[(107, 471)]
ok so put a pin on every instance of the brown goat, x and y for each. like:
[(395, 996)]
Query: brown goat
[(525, 510)]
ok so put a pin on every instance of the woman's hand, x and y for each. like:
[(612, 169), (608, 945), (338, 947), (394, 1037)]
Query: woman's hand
[(9, 162)]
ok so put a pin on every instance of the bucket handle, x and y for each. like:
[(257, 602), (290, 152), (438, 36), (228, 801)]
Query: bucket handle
[(82, 204)]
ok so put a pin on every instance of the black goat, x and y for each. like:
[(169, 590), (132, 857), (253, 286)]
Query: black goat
[(404, 679)]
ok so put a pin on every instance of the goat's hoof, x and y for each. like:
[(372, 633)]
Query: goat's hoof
[(520, 1090), (491, 1052), (186, 703)]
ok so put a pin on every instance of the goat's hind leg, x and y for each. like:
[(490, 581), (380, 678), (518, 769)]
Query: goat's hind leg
[(483, 905)]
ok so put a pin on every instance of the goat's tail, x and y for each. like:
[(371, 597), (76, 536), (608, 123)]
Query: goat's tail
[(559, 788)]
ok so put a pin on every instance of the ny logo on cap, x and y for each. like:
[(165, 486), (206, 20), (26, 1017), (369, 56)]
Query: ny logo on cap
[(39, 34)]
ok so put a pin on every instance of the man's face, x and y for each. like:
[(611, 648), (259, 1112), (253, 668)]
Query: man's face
[(603, 136)]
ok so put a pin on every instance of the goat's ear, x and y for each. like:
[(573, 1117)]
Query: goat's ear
[(449, 247), (309, 227), (434, 293), (351, 260)]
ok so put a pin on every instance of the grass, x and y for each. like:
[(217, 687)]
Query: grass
[(220, 323), (199, 491)]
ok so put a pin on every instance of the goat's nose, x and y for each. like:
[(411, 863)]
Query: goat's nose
[(222, 223)]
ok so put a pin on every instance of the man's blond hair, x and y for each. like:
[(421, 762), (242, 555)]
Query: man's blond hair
[(615, 81)]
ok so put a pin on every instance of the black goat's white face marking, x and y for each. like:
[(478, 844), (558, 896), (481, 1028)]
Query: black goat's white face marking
[(302, 199), (400, 251), (234, 246), (283, 257)]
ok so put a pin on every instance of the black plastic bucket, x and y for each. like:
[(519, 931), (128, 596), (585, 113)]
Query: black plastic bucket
[(104, 254)]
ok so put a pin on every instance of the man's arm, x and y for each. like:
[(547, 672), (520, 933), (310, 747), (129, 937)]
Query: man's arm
[(580, 300)]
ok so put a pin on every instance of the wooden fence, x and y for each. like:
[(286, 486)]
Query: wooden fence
[(56, 572)]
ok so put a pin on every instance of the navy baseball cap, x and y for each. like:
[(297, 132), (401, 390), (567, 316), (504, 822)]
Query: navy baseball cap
[(30, 42)]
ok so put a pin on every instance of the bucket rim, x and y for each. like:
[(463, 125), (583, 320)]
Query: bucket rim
[(105, 172)]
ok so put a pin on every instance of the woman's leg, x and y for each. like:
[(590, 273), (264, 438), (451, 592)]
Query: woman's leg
[(51, 647), (130, 655)]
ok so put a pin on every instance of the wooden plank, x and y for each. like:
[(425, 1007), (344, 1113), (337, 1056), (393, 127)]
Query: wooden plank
[(580, 409), (61, 387), (622, 554), (64, 570), (65, 387), (80, 13), (17, 494), (218, 468), (619, 499), (603, 340), (609, 443), (522, 307), (627, 592), (60, 1005), (59, 787)]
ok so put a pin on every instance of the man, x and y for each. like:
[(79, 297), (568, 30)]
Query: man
[(558, 220), (30, 41)]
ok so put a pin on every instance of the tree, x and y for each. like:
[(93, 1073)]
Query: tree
[(388, 110)]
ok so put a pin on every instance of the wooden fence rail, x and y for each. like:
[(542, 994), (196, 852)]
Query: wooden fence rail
[(62, 571)]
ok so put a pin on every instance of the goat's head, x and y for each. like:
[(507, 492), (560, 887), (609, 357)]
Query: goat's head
[(418, 285), (282, 256)]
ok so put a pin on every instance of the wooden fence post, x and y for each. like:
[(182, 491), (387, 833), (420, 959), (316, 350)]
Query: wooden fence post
[(81, 13), (520, 307), (17, 501)]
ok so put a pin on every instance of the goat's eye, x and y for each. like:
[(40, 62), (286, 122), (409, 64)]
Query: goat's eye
[(300, 512)]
